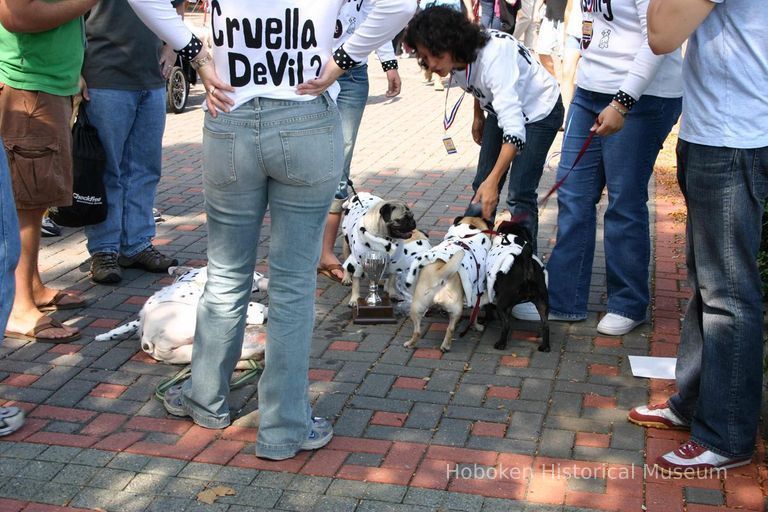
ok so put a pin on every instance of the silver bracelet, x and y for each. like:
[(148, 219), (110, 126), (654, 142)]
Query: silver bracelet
[(617, 109), (197, 63)]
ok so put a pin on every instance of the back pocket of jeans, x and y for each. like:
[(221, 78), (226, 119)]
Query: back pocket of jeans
[(218, 157), (37, 173), (309, 155)]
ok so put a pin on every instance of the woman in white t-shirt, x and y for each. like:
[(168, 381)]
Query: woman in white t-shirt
[(630, 98), (272, 139), (521, 99)]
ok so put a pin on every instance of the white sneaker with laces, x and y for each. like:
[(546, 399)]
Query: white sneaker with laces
[(691, 459), (528, 312), (617, 325)]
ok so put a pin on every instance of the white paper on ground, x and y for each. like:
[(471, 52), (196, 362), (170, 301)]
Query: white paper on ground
[(653, 367)]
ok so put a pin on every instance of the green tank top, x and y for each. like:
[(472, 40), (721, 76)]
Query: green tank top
[(47, 61)]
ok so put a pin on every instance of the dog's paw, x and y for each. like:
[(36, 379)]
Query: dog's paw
[(500, 345), (445, 349), (544, 348), (409, 344), (347, 279), (353, 302), (479, 327)]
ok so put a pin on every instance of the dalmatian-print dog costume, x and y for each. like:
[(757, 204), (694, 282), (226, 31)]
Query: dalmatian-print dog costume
[(399, 267), (361, 240), (166, 324), (505, 248), (475, 245)]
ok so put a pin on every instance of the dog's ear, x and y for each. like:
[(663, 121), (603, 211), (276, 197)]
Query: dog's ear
[(386, 212), (457, 220)]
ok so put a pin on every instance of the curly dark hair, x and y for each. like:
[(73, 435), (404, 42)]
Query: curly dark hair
[(441, 29)]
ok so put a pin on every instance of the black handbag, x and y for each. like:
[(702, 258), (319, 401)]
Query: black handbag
[(89, 198)]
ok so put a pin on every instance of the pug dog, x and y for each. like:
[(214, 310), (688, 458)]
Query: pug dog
[(372, 224), (413, 247), (450, 275), (516, 275)]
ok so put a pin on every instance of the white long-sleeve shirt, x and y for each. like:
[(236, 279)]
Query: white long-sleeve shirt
[(615, 55), (265, 49), (511, 84), (351, 16)]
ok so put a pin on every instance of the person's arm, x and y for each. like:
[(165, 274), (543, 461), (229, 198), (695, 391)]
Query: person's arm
[(488, 192), (386, 19), (499, 75), (162, 19), (640, 75), (389, 64), (478, 123), (671, 22), (39, 15), (180, 8)]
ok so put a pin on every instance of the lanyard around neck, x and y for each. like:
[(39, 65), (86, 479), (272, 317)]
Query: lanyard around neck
[(448, 119)]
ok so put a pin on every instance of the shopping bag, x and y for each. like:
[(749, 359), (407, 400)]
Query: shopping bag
[(89, 198)]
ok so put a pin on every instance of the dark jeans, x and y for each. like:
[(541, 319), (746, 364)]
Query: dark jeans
[(622, 164), (526, 169), (719, 367)]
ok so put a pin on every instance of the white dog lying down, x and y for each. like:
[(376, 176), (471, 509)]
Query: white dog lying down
[(166, 323)]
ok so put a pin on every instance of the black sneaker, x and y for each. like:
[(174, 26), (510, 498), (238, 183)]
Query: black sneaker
[(149, 259), (104, 268), (49, 228)]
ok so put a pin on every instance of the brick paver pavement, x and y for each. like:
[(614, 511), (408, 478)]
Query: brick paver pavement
[(416, 430)]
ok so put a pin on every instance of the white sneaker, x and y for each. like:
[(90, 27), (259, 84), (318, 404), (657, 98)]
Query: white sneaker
[(617, 325), (527, 311), (11, 420)]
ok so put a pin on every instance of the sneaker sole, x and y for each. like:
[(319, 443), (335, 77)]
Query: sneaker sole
[(175, 411), (700, 472), (657, 424), (551, 318), (141, 266), (617, 332), (110, 279), (317, 444)]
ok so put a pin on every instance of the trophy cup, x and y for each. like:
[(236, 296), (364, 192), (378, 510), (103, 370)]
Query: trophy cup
[(376, 308)]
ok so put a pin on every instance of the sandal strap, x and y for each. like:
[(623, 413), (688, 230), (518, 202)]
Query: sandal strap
[(46, 323)]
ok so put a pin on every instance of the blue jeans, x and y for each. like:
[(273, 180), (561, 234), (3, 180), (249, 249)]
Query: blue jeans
[(285, 156), (488, 18), (719, 366), (10, 246), (622, 163), (130, 125), (351, 103), (525, 173)]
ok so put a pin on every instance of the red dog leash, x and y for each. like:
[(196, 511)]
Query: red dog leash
[(543, 201), (521, 216)]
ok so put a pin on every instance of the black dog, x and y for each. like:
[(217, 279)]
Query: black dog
[(525, 281)]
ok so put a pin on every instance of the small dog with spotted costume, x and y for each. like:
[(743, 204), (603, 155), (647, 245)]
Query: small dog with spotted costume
[(450, 275), (372, 224), (515, 275)]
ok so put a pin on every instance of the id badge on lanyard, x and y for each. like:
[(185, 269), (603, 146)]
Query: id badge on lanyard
[(448, 119)]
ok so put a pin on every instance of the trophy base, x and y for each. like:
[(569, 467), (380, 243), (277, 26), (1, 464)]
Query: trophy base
[(382, 313)]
